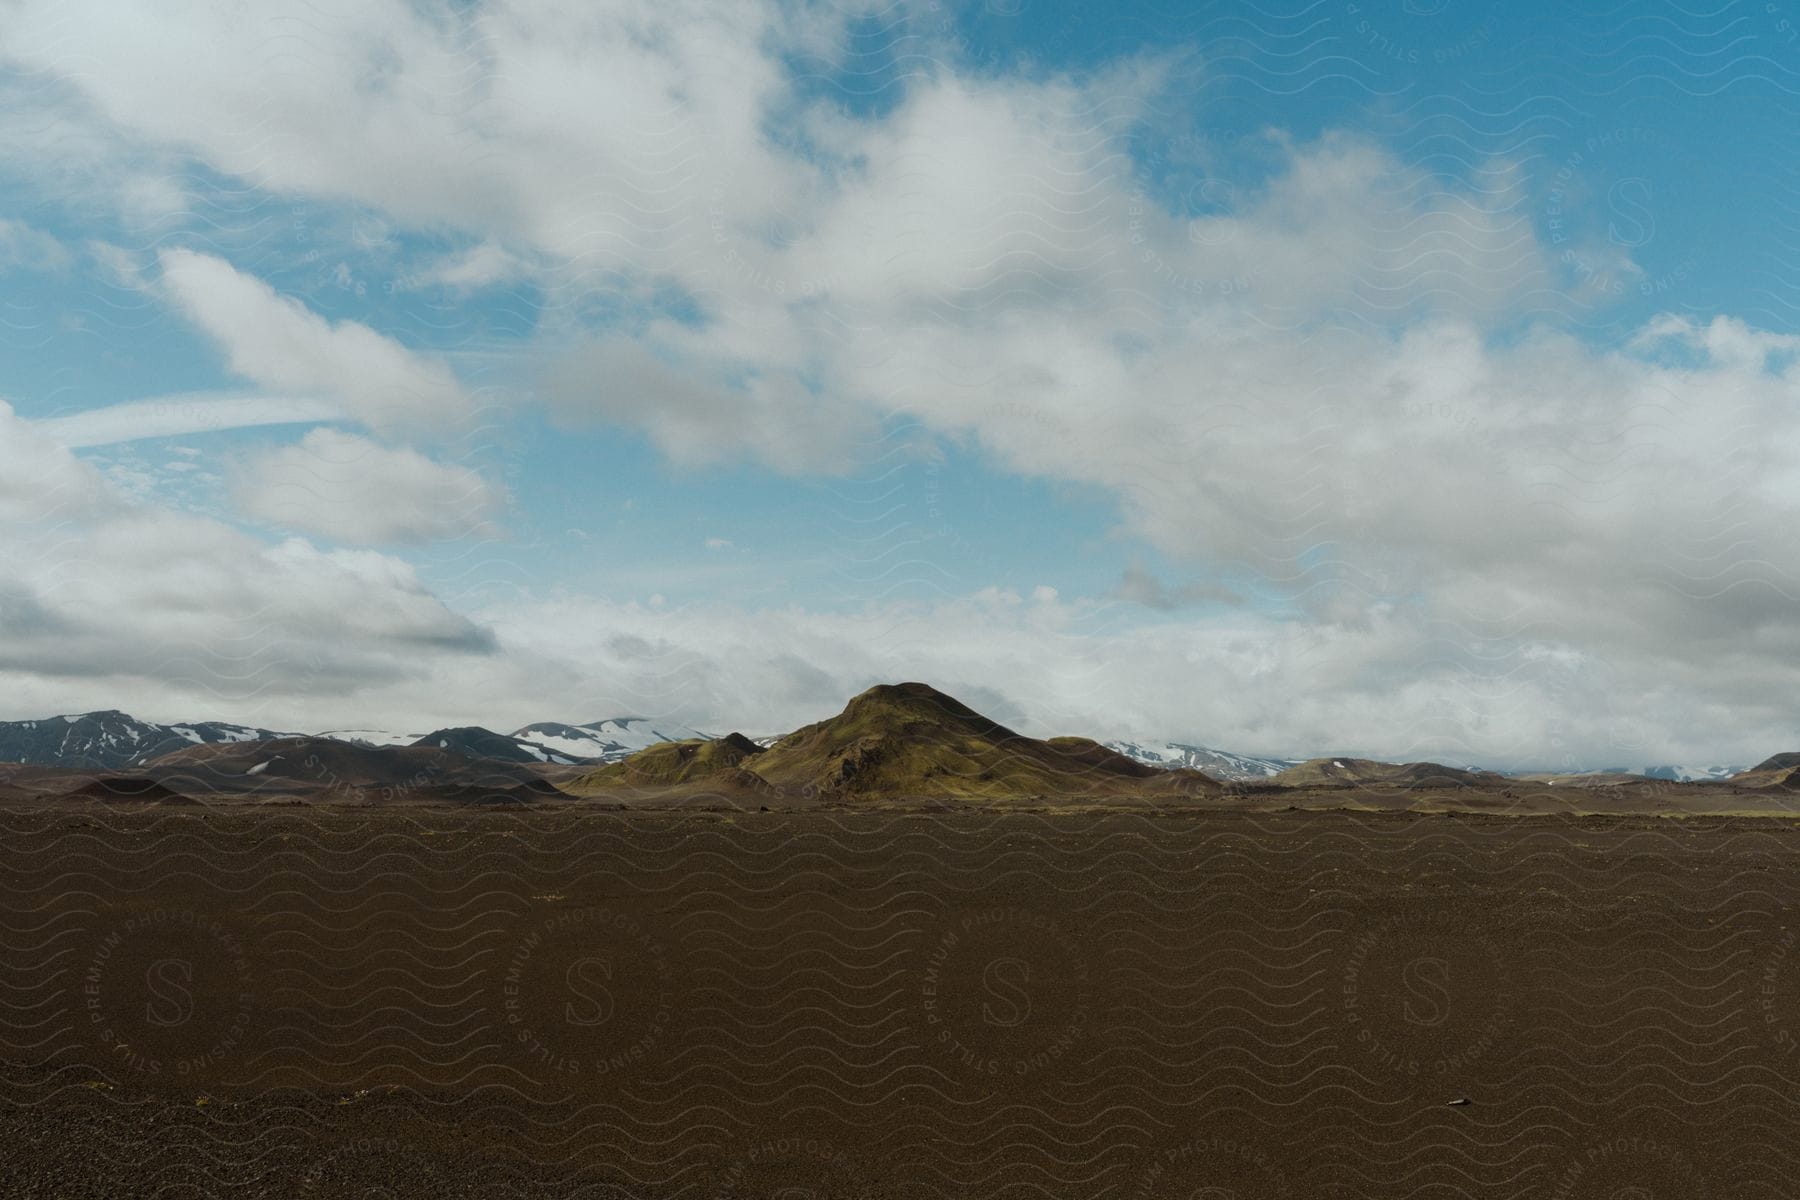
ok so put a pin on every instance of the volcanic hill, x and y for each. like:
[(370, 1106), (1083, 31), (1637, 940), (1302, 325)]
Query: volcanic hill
[(692, 760), (905, 740)]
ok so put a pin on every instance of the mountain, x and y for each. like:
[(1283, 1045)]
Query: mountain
[(372, 737), (719, 760), (111, 739), (610, 740), (1220, 764), (332, 770), (477, 742), (895, 741), (1673, 773), (1364, 772), (1780, 770)]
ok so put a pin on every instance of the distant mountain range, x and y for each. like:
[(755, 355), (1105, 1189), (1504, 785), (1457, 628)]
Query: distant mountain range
[(113, 740), (605, 741), (110, 740), (1678, 774)]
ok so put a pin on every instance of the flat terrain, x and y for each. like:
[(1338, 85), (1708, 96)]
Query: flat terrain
[(441, 1002)]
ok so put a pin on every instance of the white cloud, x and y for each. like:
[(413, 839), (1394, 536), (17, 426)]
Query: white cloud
[(41, 482), (285, 347), (1241, 680), (22, 246), (480, 266), (174, 415), (100, 595), (600, 130), (698, 414), (107, 604), (349, 489), (1297, 387)]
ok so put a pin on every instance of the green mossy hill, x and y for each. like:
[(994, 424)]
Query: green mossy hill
[(668, 763), (1365, 772), (896, 741), (910, 739)]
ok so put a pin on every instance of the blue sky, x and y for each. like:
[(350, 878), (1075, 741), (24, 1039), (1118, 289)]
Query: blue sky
[(1297, 379)]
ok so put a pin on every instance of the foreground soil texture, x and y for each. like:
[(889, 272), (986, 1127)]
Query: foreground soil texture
[(563, 1002)]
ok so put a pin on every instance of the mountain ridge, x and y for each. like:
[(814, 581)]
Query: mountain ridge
[(111, 739)]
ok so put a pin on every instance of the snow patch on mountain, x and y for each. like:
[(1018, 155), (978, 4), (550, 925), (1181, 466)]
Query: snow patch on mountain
[(1220, 764), (609, 740), (372, 737), (111, 739), (1679, 774)]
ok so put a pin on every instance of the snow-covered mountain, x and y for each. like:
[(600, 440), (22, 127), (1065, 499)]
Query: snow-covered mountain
[(546, 741), (1681, 774), (605, 741), (1709, 774), (372, 737), (472, 740), (477, 742), (111, 739), (1220, 764)]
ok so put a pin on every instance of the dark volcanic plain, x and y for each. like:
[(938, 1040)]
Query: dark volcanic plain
[(882, 1001)]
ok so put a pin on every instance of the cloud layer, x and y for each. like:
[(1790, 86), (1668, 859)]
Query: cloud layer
[(101, 595), (1352, 387)]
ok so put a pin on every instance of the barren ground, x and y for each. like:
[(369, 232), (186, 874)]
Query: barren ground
[(422, 1002)]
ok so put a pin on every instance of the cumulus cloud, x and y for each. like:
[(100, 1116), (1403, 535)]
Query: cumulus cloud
[(349, 489), (597, 130), (1491, 538), (1245, 681), (285, 347), (1239, 679), (100, 594), (697, 415)]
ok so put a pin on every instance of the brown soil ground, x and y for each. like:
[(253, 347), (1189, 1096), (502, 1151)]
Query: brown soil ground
[(563, 1002)]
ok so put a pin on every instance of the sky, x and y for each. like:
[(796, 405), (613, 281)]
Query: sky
[(1408, 378)]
